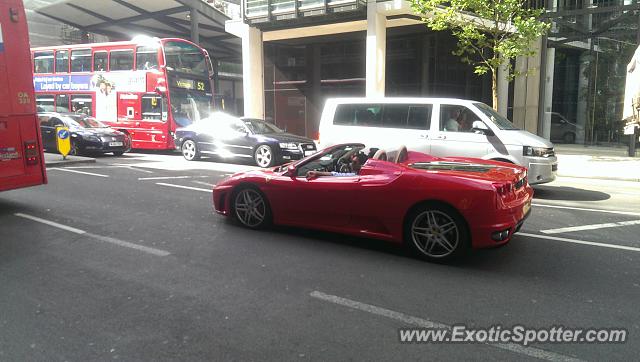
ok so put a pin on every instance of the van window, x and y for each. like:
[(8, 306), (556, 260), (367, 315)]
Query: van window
[(456, 118), (408, 116)]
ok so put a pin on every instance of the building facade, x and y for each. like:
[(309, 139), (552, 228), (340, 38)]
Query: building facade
[(297, 53)]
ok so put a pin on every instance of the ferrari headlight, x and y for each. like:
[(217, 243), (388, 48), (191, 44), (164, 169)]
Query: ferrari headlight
[(537, 151), (288, 145)]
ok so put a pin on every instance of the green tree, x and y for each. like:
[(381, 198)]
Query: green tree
[(490, 33)]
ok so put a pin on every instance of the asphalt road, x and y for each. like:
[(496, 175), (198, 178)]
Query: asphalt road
[(124, 260)]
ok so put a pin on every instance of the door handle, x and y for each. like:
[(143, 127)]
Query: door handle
[(440, 137), (423, 136)]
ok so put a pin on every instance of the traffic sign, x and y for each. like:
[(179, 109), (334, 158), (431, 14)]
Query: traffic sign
[(63, 141)]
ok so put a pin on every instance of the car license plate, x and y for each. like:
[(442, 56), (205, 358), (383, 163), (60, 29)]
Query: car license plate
[(308, 153), (526, 207), (115, 144)]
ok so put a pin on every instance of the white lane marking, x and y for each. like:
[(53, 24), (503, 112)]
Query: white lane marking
[(107, 239), (424, 323), (184, 187), (204, 183), (591, 227), (585, 209), (76, 171), (583, 242), (51, 223), (127, 244), (111, 166), (162, 178)]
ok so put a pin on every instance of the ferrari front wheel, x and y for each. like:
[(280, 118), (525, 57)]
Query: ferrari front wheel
[(251, 208), (436, 232)]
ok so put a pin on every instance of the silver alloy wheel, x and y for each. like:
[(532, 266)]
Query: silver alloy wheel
[(189, 150), (435, 233), (264, 156), (250, 208)]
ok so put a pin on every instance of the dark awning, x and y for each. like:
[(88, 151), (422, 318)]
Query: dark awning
[(124, 19)]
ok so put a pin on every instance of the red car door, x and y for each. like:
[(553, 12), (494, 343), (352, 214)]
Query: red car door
[(324, 201)]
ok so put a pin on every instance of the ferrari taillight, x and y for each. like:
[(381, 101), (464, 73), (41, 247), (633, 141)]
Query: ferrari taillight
[(31, 152), (503, 188)]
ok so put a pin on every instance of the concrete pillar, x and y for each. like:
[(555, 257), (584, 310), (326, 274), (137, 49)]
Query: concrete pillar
[(583, 91), (526, 95), (252, 72), (194, 17), (548, 93), (376, 51), (503, 90)]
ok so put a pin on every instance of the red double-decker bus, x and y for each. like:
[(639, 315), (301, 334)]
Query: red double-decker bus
[(146, 87), (21, 158)]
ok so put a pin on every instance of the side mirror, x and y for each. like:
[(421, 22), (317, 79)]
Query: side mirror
[(291, 171), (481, 128)]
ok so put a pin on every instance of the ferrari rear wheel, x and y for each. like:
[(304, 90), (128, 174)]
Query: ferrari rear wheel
[(436, 232), (251, 208)]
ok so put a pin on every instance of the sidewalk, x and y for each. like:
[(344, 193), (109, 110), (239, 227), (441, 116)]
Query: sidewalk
[(55, 160), (607, 163)]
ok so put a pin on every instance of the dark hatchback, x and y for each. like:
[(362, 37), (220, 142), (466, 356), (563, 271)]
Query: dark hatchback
[(229, 137), (87, 134)]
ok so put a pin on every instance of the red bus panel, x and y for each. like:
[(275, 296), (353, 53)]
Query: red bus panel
[(21, 157)]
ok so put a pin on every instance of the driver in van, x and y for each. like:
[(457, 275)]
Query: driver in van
[(357, 160)]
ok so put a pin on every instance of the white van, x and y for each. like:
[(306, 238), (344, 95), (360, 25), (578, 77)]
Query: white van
[(438, 126)]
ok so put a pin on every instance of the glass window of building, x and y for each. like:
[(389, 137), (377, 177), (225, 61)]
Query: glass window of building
[(121, 60), (43, 62), (81, 60), (62, 61), (100, 61), (146, 58)]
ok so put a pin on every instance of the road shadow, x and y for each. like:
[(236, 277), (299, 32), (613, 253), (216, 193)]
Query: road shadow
[(566, 193)]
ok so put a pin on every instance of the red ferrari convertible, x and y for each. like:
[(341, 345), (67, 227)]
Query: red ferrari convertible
[(438, 207)]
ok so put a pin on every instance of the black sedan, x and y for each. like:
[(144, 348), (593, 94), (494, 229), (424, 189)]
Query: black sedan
[(87, 134), (230, 137)]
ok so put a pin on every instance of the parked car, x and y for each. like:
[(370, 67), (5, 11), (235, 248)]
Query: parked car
[(440, 127), (438, 207), (562, 129), (87, 134), (227, 136)]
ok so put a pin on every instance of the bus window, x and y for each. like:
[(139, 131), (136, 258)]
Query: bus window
[(43, 62), (82, 104), (62, 103), (146, 58), (100, 61), (152, 107), (121, 60), (44, 103), (81, 60), (62, 61)]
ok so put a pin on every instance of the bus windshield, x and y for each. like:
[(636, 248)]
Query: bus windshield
[(189, 106), (185, 58)]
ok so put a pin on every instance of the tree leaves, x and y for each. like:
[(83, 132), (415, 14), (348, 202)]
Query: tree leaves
[(489, 33)]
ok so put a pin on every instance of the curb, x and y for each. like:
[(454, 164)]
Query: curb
[(64, 163), (595, 177)]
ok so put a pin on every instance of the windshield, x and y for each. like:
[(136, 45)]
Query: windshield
[(185, 58), (84, 122), (495, 117), (257, 126)]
